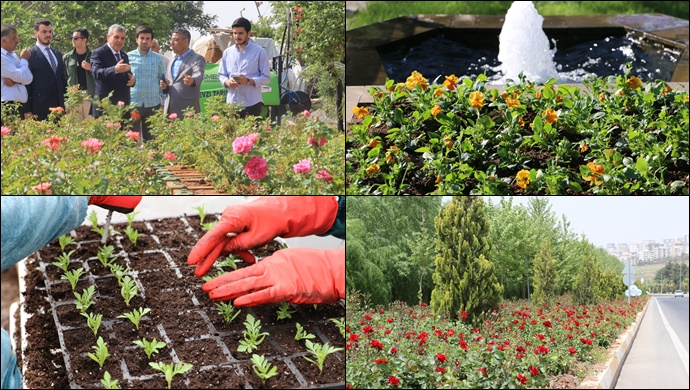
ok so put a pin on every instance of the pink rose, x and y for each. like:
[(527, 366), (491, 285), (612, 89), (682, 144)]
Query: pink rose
[(323, 174), (5, 130), (43, 188), (256, 168), (316, 142), (92, 145), (173, 116), (121, 103), (215, 118), (254, 137), (133, 135), (169, 156), (306, 113), (242, 145), (304, 166), (53, 142)]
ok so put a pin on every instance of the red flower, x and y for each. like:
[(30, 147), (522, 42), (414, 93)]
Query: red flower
[(547, 324), (394, 350), (367, 329), (541, 336), (170, 156), (534, 371), (53, 142), (390, 320), (376, 344), (542, 350), (353, 337), (393, 381), (367, 317), (463, 315), (441, 370), (422, 304), (569, 336), (522, 379), (441, 357), (572, 351), (482, 370), (381, 361), (136, 115)]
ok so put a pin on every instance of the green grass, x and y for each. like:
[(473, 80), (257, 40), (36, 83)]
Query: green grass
[(377, 11)]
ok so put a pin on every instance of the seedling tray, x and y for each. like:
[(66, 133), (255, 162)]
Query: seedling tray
[(56, 339)]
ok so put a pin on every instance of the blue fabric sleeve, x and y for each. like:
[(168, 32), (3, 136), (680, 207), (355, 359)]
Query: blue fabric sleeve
[(31, 222), (11, 377)]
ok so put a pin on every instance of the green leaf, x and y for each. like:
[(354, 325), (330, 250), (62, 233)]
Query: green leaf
[(642, 166)]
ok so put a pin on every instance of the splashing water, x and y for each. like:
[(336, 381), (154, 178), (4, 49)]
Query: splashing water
[(524, 46)]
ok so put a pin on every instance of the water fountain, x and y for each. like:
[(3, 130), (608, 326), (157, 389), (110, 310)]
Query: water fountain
[(656, 44)]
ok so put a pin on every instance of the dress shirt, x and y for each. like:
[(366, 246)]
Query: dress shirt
[(177, 62), (148, 69), (252, 61), (50, 57), (17, 70)]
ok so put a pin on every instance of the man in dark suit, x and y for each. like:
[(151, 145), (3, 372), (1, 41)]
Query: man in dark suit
[(111, 70), (47, 90)]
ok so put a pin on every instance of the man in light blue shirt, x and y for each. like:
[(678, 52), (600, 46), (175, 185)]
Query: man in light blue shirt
[(243, 70), (148, 68), (15, 70)]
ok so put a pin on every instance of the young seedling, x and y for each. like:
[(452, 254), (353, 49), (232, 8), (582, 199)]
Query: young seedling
[(263, 368), (130, 217), (208, 278), (132, 234), (94, 321), (228, 262), (135, 315), (226, 309), (284, 311), (104, 254), (93, 218), (129, 289), (84, 299), (63, 261), (302, 334), (101, 352), (202, 213), (170, 371), (340, 324), (73, 276), (150, 347), (118, 271), (208, 225), (64, 241), (107, 383), (320, 352), (252, 337)]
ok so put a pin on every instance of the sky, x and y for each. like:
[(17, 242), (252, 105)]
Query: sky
[(621, 219), (228, 11)]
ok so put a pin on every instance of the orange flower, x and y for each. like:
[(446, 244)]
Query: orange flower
[(512, 103), (522, 178), (559, 98), (373, 168), (549, 115), (597, 173), (43, 188), (56, 109), (416, 78), (538, 95), (436, 110), (374, 142), (439, 179), (686, 99), (361, 112), (477, 99), (633, 82), (450, 82), (438, 92), (394, 149), (448, 141), (390, 158), (521, 121), (602, 97), (583, 148), (136, 115)]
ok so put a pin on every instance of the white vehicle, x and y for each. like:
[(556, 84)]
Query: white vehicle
[(678, 293)]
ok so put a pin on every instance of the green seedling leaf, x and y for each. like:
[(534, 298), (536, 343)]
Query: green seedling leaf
[(150, 347), (101, 352), (135, 315), (93, 321), (170, 371), (262, 368), (284, 311)]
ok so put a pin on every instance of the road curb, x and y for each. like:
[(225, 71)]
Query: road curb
[(608, 372)]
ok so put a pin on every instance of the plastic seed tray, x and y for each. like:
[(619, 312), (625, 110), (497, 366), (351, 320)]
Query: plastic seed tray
[(56, 338)]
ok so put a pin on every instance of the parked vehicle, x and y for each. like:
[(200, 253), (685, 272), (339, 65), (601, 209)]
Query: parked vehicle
[(678, 293)]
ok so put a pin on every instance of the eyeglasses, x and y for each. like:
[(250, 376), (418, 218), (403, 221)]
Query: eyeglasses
[(75, 38)]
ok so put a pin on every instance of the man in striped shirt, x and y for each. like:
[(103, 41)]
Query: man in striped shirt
[(148, 69)]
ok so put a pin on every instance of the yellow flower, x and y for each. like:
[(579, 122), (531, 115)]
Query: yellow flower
[(361, 112), (448, 141), (450, 82), (374, 142), (549, 115), (583, 148), (633, 82), (522, 178), (521, 122), (436, 110), (602, 97), (394, 149), (373, 168), (477, 99), (597, 173), (390, 158), (512, 103), (686, 99), (438, 92), (416, 78)]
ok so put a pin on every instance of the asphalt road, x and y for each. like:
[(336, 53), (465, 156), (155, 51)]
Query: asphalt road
[(658, 358)]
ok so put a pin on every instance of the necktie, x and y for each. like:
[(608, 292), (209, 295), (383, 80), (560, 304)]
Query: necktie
[(117, 57), (52, 60)]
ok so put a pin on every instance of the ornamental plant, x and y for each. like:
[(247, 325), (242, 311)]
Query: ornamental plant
[(340, 323), (252, 335), (135, 315), (320, 352), (130, 217), (104, 254), (150, 347), (107, 383), (170, 370), (119, 271), (262, 368), (63, 261), (73, 276), (84, 300), (227, 310), (64, 241), (128, 289), (284, 311), (93, 321), (132, 234), (302, 334), (101, 352), (617, 136)]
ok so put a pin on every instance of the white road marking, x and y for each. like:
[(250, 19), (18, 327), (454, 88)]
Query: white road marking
[(676, 341)]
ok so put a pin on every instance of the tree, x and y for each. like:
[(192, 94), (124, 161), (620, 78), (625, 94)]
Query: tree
[(464, 278), (586, 288), (545, 275)]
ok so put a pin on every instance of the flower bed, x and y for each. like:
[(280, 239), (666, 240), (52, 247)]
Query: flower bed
[(516, 346), (460, 138), (65, 155), (181, 315)]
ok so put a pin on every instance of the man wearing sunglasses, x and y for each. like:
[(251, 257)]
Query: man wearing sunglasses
[(78, 66)]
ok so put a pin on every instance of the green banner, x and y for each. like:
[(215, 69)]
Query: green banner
[(211, 87)]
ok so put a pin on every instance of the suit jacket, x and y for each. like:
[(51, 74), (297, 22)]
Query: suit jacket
[(103, 69), (47, 90), (181, 96), (70, 59)]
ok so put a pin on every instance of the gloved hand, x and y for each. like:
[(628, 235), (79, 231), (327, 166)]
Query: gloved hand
[(299, 275), (122, 204), (257, 223)]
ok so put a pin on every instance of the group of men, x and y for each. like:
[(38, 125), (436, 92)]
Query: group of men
[(37, 79)]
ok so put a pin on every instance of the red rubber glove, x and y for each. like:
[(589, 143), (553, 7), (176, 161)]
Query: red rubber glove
[(257, 223), (122, 204), (299, 275)]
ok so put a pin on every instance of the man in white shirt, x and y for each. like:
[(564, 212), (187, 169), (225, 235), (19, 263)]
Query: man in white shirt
[(15, 70)]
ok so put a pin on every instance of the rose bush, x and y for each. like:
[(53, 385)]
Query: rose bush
[(517, 346)]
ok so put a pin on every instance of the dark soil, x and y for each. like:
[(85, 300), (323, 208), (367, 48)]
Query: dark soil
[(181, 315)]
